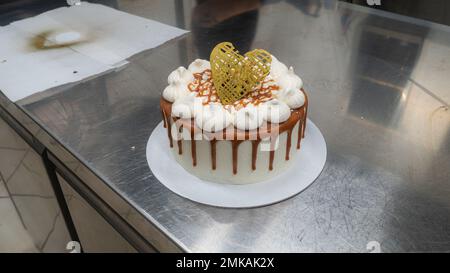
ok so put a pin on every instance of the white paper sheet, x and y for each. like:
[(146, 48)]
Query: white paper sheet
[(107, 38)]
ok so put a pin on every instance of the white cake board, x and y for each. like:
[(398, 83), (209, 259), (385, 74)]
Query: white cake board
[(308, 164)]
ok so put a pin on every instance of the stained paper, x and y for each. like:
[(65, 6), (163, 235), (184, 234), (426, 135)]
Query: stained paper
[(70, 44)]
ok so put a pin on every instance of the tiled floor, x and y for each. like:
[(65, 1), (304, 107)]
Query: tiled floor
[(13, 235), (3, 192), (30, 218)]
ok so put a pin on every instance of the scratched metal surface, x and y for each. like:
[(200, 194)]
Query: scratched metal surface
[(378, 86)]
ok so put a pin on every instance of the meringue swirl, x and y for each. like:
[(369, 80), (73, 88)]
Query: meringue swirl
[(249, 118), (175, 91), (276, 111), (180, 75), (199, 66), (212, 117)]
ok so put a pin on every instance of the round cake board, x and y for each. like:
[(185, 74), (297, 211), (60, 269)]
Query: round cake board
[(308, 164)]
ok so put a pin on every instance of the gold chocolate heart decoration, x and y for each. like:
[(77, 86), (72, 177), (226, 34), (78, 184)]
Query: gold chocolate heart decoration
[(234, 75)]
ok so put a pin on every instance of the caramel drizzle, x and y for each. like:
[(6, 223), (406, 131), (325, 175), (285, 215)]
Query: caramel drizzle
[(302, 120), (271, 157), (305, 112), (193, 146), (260, 94), (204, 87), (300, 112), (300, 129), (167, 125), (213, 143), (255, 144), (164, 118), (288, 143), (235, 146), (179, 142), (272, 152), (180, 147)]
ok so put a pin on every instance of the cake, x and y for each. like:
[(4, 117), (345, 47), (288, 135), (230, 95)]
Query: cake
[(246, 132)]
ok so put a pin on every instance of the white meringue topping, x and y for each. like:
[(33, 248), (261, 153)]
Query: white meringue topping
[(184, 107), (199, 66), (180, 75), (276, 111), (248, 118), (289, 80), (294, 98), (175, 91), (277, 68), (212, 117)]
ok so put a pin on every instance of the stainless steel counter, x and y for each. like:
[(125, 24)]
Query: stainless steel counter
[(379, 91)]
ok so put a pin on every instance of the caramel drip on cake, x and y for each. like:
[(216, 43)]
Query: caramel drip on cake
[(179, 142), (235, 146), (271, 157), (213, 153), (193, 145), (180, 147), (288, 142), (300, 129), (166, 118), (272, 152), (169, 133), (303, 112), (255, 144)]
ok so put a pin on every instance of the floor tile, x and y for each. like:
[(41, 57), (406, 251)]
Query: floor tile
[(9, 161), (58, 238), (13, 236), (3, 192), (9, 137), (38, 214), (30, 178)]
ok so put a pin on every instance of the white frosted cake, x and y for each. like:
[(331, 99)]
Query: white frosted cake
[(248, 140)]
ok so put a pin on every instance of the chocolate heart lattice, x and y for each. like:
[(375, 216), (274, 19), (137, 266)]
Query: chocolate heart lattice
[(234, 75)]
